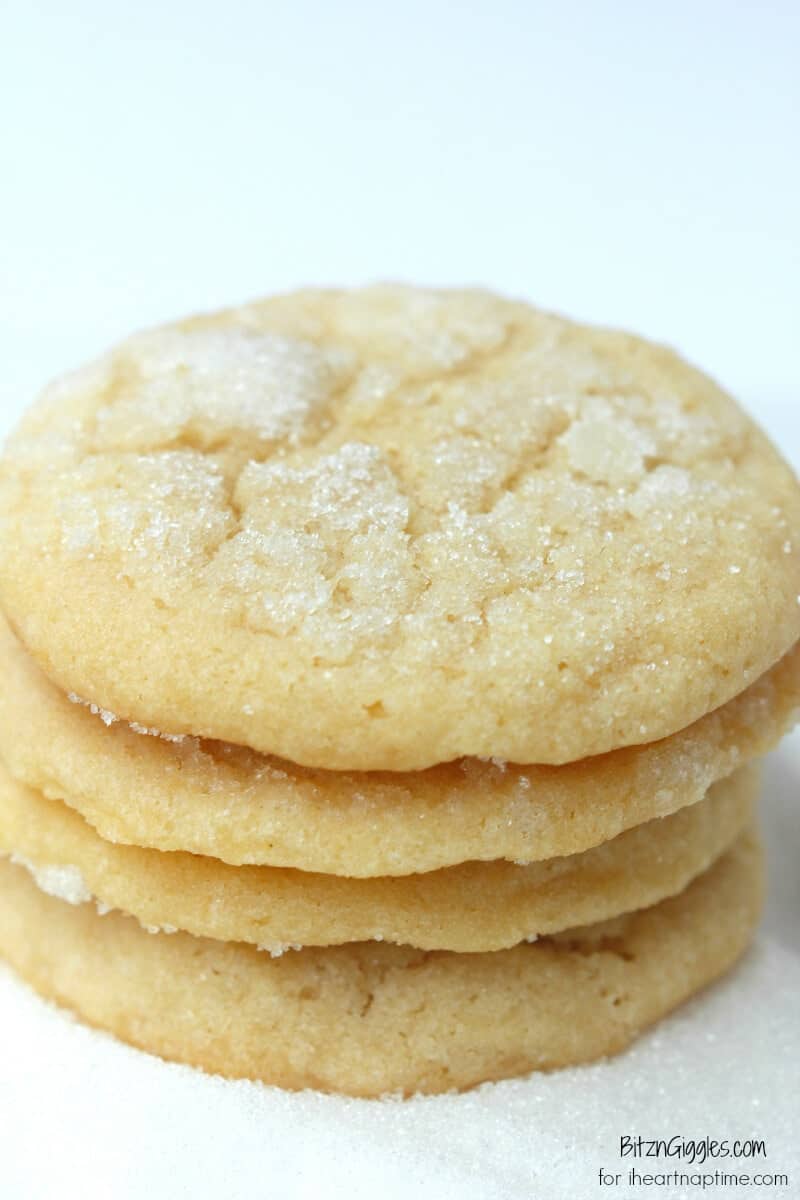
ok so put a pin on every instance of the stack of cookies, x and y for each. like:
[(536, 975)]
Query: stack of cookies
[(385, 674)]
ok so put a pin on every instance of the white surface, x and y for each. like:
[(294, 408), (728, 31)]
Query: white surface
[(626, 163)]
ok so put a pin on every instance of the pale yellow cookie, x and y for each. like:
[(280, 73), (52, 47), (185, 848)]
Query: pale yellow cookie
[(369, 1018), (220, 800), (389, 528), (474, 907)]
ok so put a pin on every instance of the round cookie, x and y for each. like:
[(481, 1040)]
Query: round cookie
[(278, 909), (220, 800), (368, 1019), (389, 528)]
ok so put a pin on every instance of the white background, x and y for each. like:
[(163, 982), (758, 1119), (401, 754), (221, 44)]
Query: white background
[(629, 163)]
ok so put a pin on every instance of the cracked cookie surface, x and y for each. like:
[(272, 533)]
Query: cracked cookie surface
[(388, 528)]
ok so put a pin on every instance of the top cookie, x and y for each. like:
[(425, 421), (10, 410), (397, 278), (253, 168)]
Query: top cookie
[(388, 528)]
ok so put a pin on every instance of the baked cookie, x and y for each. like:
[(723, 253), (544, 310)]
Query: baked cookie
[(215, 799), (390, 528), (443, 910), (368, 1019)]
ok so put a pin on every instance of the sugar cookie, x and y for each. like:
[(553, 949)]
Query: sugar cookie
[(220, 800), (367, 1019), (473, 907), (390, 528)]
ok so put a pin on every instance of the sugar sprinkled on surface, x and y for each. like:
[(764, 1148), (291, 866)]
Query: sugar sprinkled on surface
[(277, 949), (63, 882), (105, 716), (217, 380), (151, 731), (607, 447), (336, 529), (428, 331), (67, 883), (108, 718)]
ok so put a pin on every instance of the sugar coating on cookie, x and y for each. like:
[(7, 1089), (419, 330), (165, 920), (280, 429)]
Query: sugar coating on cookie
[(63, 881), (108, 718), (388, 528), (219, 383)]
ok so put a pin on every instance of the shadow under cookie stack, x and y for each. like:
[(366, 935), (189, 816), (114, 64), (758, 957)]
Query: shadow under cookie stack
[(290, 593)]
